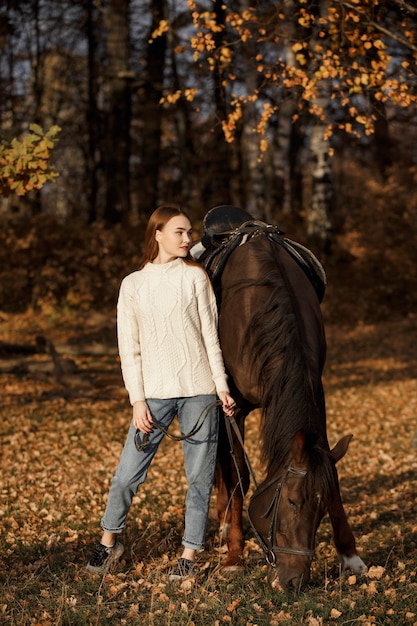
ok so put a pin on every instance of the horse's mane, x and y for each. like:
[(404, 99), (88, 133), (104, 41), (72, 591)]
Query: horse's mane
[(277, 342)]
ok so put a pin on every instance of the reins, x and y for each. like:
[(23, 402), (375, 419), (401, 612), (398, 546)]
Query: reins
[(231, 422), (141, 445)]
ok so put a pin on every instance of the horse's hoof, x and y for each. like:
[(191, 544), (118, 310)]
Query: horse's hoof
[(355, 564)]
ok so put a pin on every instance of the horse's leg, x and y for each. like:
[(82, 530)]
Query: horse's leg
[(223, 505), (235, 476), (343, 537)]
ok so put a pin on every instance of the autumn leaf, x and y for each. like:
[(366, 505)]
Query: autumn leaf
[(233, 605)]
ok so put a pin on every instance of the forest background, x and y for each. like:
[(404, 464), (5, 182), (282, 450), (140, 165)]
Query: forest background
[(301, 112)]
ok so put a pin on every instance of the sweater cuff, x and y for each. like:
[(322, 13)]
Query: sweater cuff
[(221, 385), (136, 396)]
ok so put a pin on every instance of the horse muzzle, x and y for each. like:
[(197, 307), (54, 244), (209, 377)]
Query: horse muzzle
[(288, 582)]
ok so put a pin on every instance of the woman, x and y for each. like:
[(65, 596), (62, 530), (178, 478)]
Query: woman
[(172, 365)]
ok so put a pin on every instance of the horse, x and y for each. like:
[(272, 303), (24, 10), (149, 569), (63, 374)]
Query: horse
[(274, 347)]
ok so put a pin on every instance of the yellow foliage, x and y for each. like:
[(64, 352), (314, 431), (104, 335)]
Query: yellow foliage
[(361, 119), (225, 56), (263, 145), (346, 48), (172, 98), (163, 28), (24, 164), (305, 21), (297, 46), (379, 44), (229, 125)]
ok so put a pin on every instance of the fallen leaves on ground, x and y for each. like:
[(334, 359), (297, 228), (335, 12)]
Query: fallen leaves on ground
[(59, 451)]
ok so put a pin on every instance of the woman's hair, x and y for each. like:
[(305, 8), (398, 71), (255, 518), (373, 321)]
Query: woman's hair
[(159, 218)]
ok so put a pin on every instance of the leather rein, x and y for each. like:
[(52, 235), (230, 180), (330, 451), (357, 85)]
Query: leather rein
[(142, 441), (269, 548)]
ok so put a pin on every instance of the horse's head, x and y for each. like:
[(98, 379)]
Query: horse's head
[(287, 508)]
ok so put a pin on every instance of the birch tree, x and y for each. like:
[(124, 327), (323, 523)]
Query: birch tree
[(319, 217)]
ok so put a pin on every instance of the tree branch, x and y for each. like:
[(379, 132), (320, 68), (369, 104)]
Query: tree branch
[(405, 6), (382, 29)]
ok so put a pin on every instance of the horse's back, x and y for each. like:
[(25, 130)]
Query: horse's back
[(261, 279)]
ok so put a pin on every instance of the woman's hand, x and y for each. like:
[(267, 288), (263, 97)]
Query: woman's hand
[(228, 404), (142, 418)]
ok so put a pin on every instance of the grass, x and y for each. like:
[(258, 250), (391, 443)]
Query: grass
[(60, 445)]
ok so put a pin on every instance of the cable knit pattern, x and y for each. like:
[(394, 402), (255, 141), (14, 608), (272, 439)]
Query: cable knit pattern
[(167, 333)]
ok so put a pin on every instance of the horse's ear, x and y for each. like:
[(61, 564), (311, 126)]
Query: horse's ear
[(298, 446), (340, 448)]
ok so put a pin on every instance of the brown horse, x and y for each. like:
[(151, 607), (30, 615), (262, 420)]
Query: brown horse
[(273, 341)]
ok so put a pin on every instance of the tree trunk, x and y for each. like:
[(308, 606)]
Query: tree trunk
[(382, 144), (318, 220), (37, 69), (280, 200), (252, 182), (92, 114), (150, 94), (186, 153), (319, 217), (117, 144), (220, 184)]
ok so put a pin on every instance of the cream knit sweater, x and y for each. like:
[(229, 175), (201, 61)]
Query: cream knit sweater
[(167, 333)]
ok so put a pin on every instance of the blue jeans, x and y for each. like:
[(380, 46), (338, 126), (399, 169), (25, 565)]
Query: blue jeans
[(199, 458)]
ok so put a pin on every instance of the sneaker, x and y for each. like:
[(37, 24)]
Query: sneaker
[(184, 568), (103, 558)]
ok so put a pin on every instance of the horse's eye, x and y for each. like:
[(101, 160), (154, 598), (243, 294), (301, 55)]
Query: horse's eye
[(292, 504)]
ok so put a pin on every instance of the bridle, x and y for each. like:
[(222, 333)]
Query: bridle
[(269, 548)]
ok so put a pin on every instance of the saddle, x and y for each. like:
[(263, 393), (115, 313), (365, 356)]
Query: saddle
[(227, 227)]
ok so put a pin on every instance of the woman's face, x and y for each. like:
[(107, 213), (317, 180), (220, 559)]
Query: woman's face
[(174, 239)]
